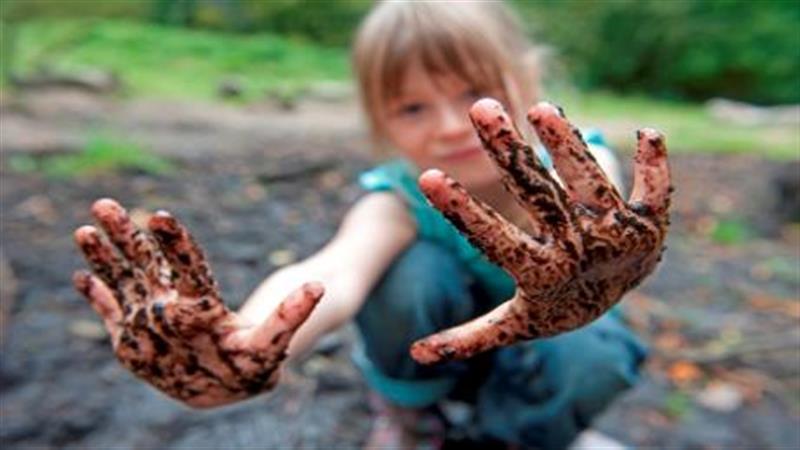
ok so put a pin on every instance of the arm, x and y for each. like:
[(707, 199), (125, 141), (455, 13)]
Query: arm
[(370, 237), (168, 322)]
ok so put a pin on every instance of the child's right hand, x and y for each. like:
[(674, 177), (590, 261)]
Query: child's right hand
[(584, 246), (167, 321)]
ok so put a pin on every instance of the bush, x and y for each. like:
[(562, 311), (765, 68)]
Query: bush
[(742, 49), (18, 10), (328, 23)]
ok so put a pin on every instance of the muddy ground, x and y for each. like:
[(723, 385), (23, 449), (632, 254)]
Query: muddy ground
[(261, 186)]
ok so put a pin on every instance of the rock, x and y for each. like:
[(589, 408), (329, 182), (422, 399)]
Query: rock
[(331, 91), (230, 88), (786, 187), (752, 115), (720, 397), (40, 207), (95, 81)]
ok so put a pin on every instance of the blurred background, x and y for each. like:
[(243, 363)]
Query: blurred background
[(240, 116)]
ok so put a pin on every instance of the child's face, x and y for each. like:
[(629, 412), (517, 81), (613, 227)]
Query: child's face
[(429, 124)]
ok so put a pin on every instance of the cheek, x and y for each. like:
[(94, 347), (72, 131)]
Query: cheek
[(412, 142)]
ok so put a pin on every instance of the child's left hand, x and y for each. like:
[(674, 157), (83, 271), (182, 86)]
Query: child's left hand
[(587, 247)]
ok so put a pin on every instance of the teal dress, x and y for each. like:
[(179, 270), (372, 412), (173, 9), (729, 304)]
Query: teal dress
[(533, 393)]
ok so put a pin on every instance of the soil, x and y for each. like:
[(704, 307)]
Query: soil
[(261, 186)]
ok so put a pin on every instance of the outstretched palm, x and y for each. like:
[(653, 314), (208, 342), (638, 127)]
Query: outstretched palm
[(167, 321), (587, 246)]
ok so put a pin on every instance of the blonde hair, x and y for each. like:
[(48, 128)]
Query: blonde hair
[(480, 42)]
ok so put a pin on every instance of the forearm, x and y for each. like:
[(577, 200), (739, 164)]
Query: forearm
[(371, 236)]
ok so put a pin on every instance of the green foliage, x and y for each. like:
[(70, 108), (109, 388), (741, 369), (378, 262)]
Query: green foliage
[(20, 10), (741, 49), (677, 404), (730, 232), (155, 60), (100, 155), (323, 22), (688, 127), (689, 49), (174, 62), (327, 23)]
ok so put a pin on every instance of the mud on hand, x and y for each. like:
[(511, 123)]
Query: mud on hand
[(586, 248), (168, 324)]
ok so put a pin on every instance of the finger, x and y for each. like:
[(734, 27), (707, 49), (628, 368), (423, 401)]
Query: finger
[(523, 174), (136, 245), (584, 178), (112, 269), (499, 239), (192, 273), (496, 328), (275, 333), (651, 180), (101, 298)]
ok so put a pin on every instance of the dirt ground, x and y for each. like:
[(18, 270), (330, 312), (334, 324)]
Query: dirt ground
[(262, 186)]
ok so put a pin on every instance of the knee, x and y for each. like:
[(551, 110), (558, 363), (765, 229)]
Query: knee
[(607, 365), (544, 392)]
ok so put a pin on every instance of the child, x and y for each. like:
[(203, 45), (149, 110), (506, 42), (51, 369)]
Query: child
[(566, 253)]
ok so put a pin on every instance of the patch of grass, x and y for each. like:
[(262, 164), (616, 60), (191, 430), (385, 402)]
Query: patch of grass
[(170, 62), (162, 61), (677, 404), (688, 126), (731, 232), (100, 155)]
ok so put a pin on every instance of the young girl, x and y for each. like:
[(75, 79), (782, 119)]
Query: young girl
[(564, 252)]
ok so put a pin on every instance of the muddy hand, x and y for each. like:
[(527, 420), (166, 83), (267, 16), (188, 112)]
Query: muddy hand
[(586, 246), (167, 321)]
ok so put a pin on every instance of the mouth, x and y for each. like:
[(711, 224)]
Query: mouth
[(461, 153)]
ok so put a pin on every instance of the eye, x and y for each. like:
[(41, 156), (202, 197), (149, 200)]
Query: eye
[(474, 94), (411, 109)]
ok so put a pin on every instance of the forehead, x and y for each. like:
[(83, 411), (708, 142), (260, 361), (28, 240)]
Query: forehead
[(417, 80)]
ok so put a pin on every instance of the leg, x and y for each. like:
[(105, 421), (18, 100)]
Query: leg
[(424, 291), (543, 393)]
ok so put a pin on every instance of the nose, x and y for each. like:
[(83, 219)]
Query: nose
[(453, 122)]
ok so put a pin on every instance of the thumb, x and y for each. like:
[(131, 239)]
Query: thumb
[(500, 327), (277, 330)]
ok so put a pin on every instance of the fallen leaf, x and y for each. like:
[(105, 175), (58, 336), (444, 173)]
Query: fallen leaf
[(669, 341), (683, 373), (766, 302), (254, 191)]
